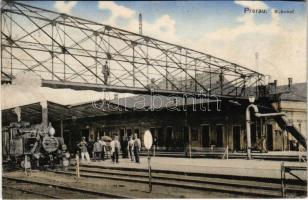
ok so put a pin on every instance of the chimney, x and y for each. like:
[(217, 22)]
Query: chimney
[(290, 80), (140, 23), (275, 83)]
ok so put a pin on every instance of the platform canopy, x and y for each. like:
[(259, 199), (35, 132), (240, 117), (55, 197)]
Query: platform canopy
[(33, 112)]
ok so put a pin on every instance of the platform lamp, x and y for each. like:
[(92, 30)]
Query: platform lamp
[(251, 99)]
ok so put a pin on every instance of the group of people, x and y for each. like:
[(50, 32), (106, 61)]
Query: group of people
[(130, 148)]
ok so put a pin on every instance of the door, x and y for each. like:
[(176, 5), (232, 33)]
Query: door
[(236, 138), (169, 141), (122, 134), (253, 134), (269, 138), (85, 133), (219, 135), (129, 132), (186, 135), (137, 132), (205, 136), (160, 137)]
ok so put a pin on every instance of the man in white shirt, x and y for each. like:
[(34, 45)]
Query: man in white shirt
[(103, 148), (115, 149), (130, 147)]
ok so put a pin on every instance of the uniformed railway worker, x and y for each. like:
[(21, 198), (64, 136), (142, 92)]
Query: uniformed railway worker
[(137, 147), (97, 150)]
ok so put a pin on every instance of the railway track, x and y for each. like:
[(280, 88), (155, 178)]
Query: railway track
[(45, 189), (39, 194), (246, 186)]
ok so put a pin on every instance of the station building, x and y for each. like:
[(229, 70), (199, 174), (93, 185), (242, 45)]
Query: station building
[(221, 124), (199, 124)]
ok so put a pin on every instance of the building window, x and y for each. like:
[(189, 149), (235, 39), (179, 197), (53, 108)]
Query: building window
[(194, 134), (152, 130), (137, 131), (219, 135), (129, 132), (160, 137), (122, 133), (205, 132), (169, 138)]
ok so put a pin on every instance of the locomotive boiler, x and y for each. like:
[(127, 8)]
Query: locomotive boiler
[(25, 145)]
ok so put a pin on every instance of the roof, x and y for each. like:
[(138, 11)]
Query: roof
[(297, 92), (19, 95), (33, 112), (144, 102), (32, 109)]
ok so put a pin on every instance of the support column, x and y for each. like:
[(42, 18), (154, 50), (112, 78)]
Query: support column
[(52, 50), (17, 111), (189, 137), (61, 127), (44, 114), (134, 64), (166, 71), (188, 127)]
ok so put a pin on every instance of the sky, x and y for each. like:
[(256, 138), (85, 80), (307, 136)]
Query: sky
[(219, 28)]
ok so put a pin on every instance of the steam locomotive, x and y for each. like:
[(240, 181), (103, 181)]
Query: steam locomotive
[(33, 146)]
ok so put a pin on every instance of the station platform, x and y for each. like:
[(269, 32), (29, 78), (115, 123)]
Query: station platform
[(232, 167), (271, 155)]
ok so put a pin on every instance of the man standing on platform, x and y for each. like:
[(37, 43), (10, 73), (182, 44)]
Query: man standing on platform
[(115, 149), (130, 148), (103, 143), (84, 150), (97, 150), (137, 147)]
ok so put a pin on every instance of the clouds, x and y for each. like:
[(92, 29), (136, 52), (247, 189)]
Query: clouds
[(116, 10), (279, 46), (281, 49), (252, 4), (65, 6), (247, 25), (164, 27)]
